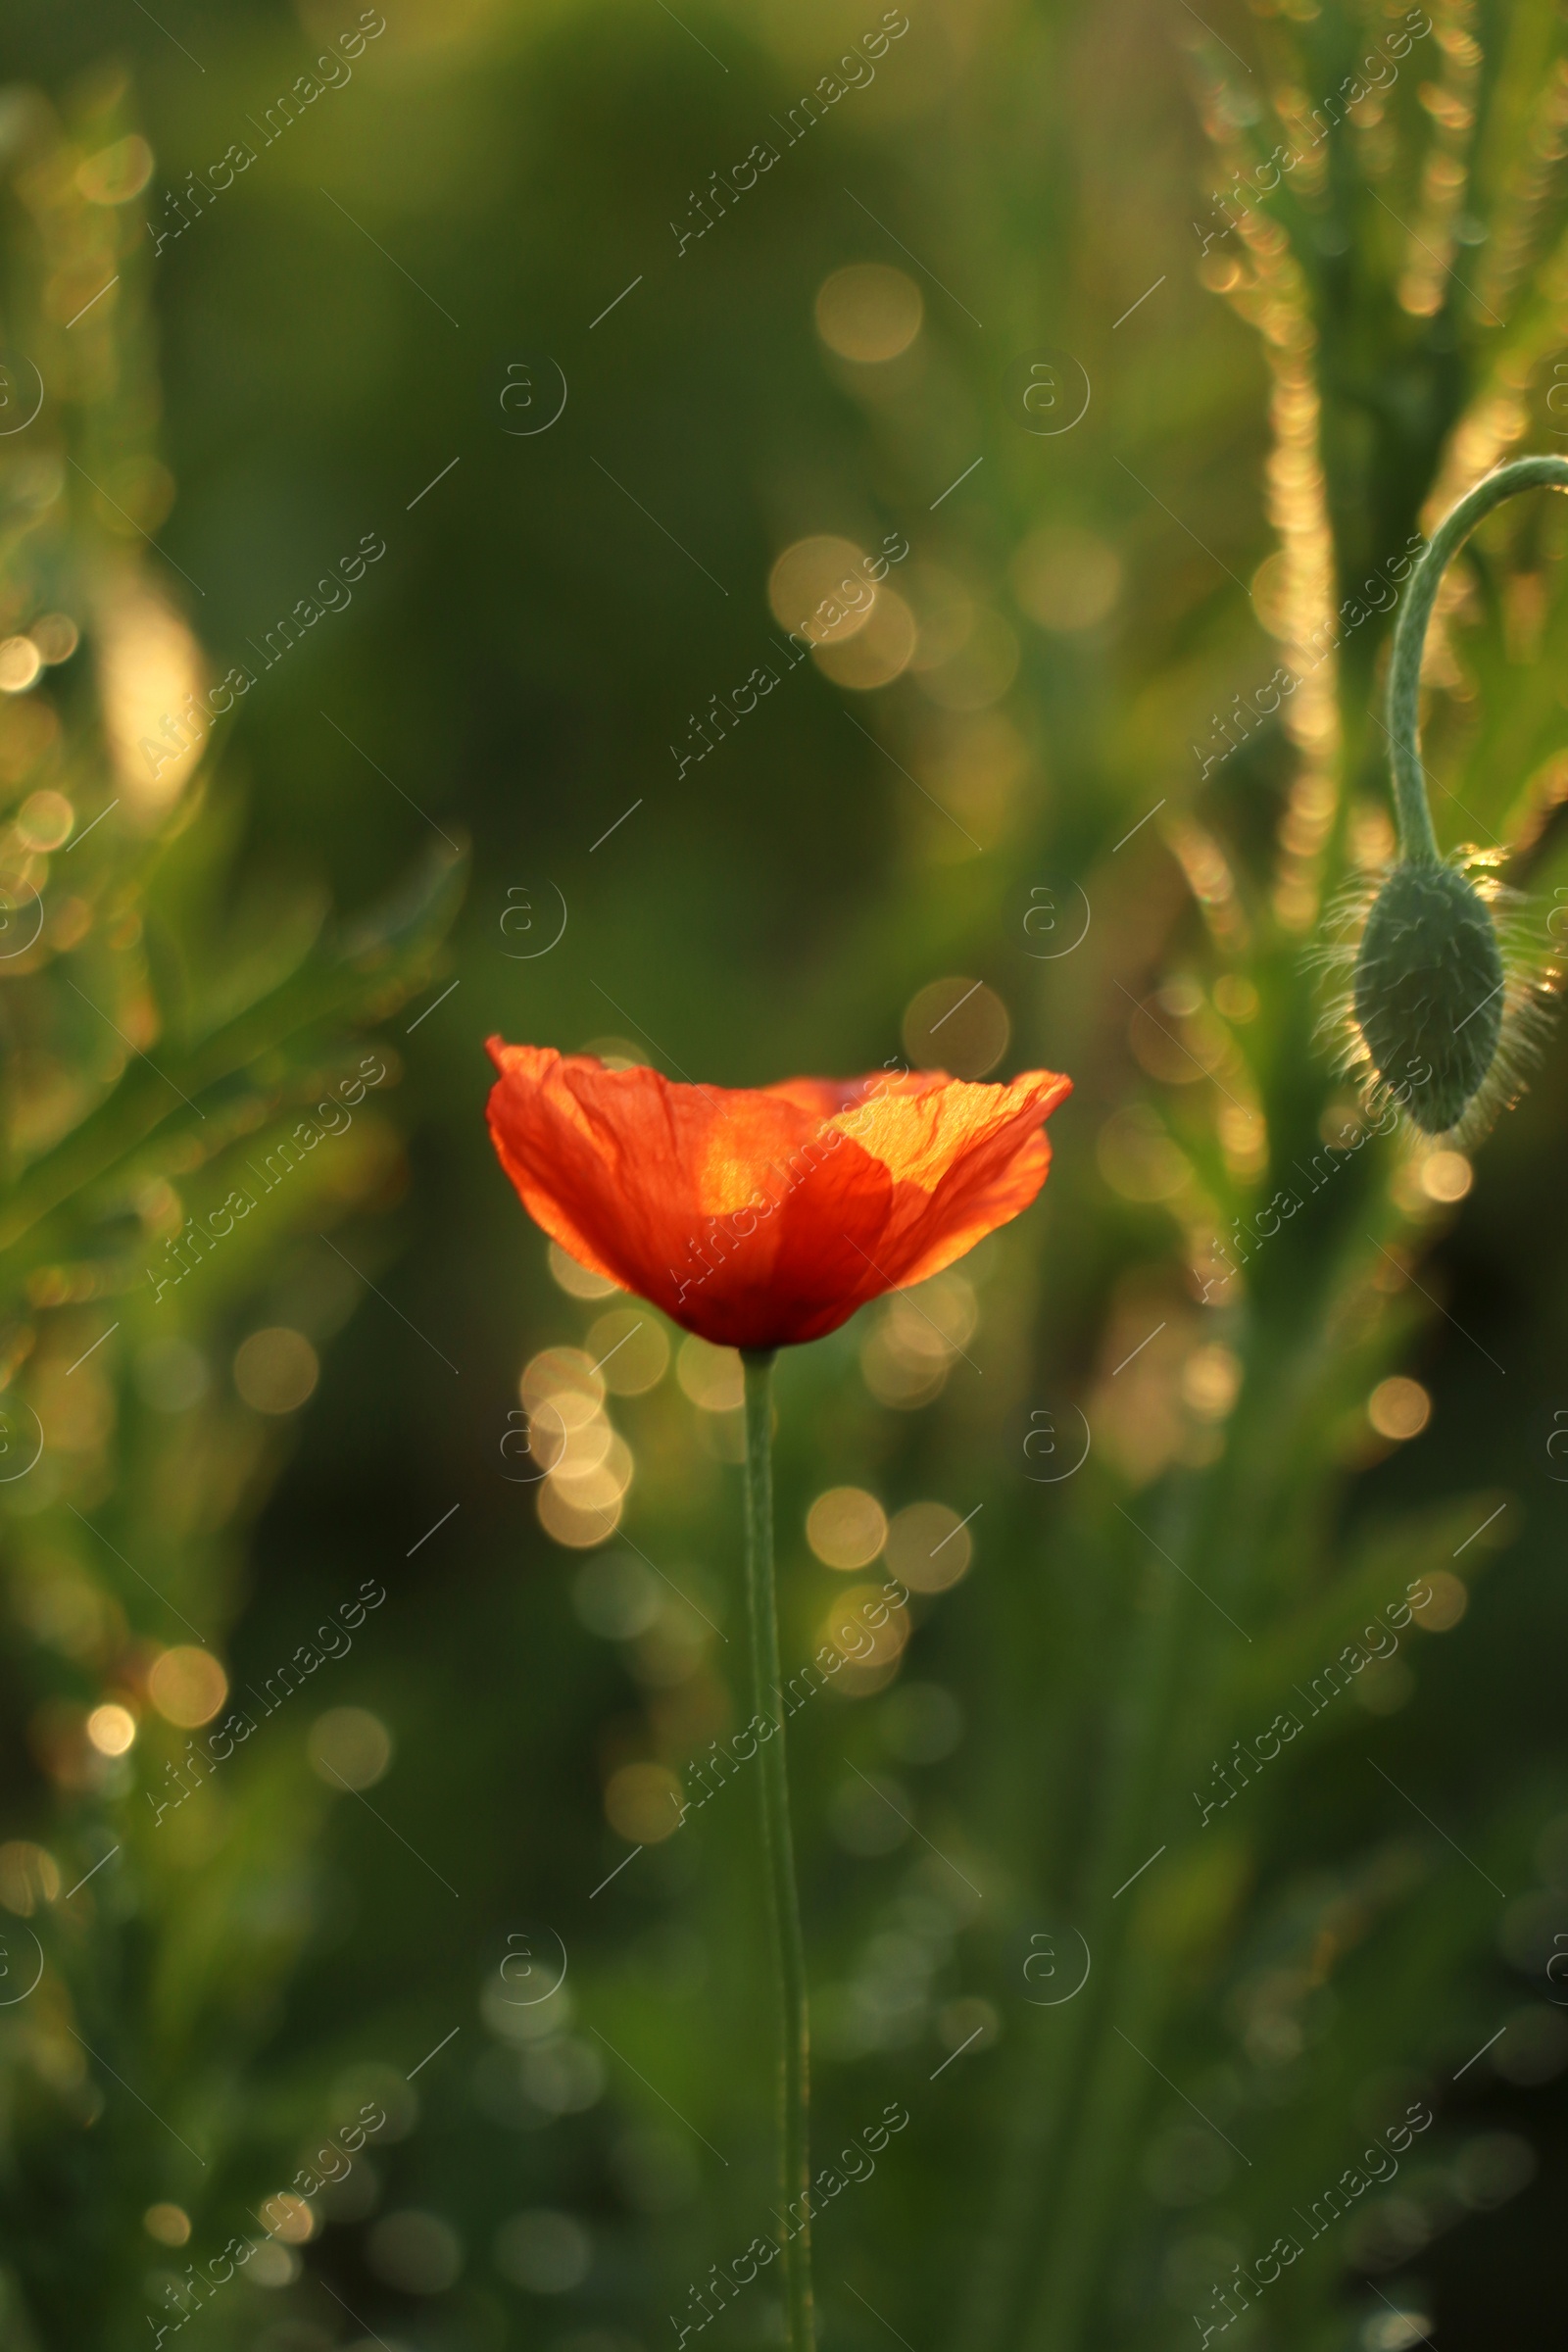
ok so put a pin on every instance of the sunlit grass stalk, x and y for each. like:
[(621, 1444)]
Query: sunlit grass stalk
[(787, 1951)]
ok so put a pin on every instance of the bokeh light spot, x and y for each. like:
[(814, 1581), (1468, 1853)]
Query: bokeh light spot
[(20, 665), (929, 1546), (711, 1377), (578, 1281), (1399, 1407), (112, 1728), (615, 1596), (868, 311), (187, 1686), (631, 1350), (349, 1747), (1447, 1176), (546, 2253), (958, 1025), (846, 1527), (1065, 578), (277, 1369), (1451, 1597), (417, 2252), (642, 1803), (821, 589)]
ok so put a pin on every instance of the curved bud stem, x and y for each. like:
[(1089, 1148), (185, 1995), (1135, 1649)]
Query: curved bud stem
[(1418, 844)]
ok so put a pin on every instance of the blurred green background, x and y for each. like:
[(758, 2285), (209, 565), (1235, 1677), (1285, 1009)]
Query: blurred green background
[(993, 820)]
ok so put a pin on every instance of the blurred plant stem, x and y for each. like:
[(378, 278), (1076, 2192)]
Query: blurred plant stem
[(783, 1903), (1080, 2085)]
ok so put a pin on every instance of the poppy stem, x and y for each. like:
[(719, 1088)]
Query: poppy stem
[(1418, 844), (788, 1950)]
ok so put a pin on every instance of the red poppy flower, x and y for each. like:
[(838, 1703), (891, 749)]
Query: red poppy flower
[(760, 1216)]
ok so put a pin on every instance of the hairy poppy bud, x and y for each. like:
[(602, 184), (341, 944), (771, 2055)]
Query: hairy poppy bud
[(1429, 992), (1439, 1011)]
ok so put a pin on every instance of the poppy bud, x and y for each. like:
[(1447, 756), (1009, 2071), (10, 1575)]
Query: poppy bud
[(1441, 1007), (1429, 992)]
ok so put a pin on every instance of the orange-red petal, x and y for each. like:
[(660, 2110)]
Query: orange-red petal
[(762, 1216)]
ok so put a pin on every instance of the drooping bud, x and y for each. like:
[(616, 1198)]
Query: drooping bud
[(1429, 992), (1435, 1015)]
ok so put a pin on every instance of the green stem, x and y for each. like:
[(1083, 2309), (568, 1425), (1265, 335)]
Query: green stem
[(1418, 844), (787, 1949)]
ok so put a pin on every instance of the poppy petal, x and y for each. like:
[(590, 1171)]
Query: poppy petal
[(764, 1216)]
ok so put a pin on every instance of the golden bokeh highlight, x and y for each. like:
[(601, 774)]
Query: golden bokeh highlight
[(597, 1479), (958, 1025), (1065, 578), (28, 1876), (866, 1628), (170, 2224), (289, 2218), (45, 820), (277, 1369), (150, 670), (875, 654), (20, 665), (573, 1521), (869, 312), (117, 173), (55, 635), (642, 1803), (187, 1686), (112, 1728), (1451, 1599), (714, 1378), (929, 1546), (1447, 1176), (578, 1281), (631, 1349), (565, 1380), (1211, 1382), (910, 1347), (846, 1527), (1399, 1407), (1236, 998), (588, 1465), (820, 588)]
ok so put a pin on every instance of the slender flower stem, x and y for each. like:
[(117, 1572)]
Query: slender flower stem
[(788, 1950), (1418, 844)]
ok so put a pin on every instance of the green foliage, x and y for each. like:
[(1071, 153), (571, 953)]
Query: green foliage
[(180, 1039)]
